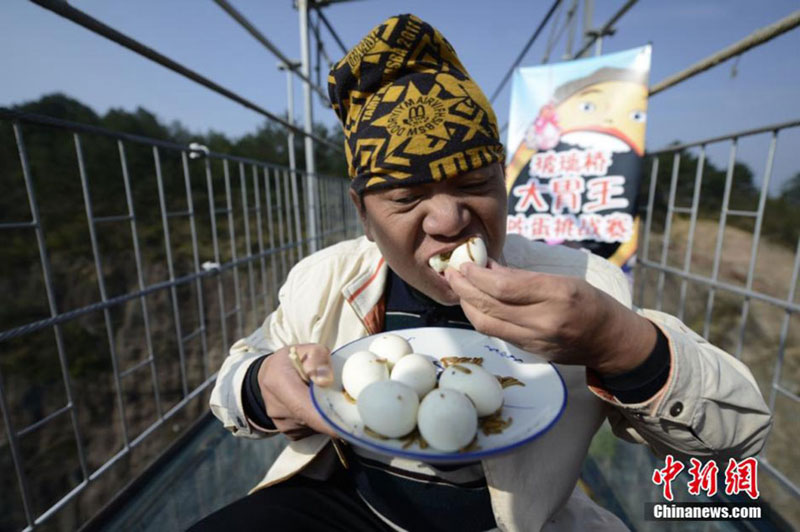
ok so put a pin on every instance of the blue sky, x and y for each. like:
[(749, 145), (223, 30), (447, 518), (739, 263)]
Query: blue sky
[(46, 53)]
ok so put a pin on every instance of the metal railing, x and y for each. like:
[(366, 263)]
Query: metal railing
[(676, 267), (249, 203), (207, 291)]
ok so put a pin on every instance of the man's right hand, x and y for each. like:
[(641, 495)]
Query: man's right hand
[(286, 395)]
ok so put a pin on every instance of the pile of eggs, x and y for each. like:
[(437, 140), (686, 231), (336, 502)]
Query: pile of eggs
[(396, 390)]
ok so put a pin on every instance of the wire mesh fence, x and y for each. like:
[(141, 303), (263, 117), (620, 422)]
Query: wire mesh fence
[(721, 254), (130, 265)]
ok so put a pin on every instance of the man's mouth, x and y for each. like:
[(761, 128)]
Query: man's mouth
[(471, 250)]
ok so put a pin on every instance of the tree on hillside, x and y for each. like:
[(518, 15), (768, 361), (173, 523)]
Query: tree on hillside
[(781, 221), (791, 190)]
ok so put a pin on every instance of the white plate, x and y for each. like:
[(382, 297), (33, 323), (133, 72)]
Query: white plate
[(534, 407)]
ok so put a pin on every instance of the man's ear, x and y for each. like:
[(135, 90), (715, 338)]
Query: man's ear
[(358, 201)]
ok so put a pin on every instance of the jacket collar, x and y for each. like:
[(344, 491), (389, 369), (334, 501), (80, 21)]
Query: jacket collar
[(365, 292)]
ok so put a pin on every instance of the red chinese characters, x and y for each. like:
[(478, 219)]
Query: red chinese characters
[(530, 195), (540, 227), (666, 475), (570, 162), (515, 224), (741, 477), (603, 192), (619, 227), (614, 227), (703, 478), (566, 193)]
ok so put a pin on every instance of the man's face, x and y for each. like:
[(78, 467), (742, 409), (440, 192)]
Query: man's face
[(412, 224)]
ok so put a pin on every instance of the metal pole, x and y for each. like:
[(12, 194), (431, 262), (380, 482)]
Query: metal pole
[(252, 30), (330, 29), (572, 23), (311, 192), (606, 29), (756, 38), (588, 15), (292, 155)]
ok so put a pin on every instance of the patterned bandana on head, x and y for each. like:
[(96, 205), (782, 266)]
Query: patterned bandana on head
[(410, 112)]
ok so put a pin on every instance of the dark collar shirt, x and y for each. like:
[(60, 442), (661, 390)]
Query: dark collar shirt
[(414, 495)]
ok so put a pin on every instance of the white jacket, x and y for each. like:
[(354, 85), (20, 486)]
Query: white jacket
[(335, 296)]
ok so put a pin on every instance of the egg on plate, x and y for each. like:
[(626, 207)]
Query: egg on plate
[(390, 347), (361, 369), (388, 408), (447, 420), (417, 372), (479, 385)]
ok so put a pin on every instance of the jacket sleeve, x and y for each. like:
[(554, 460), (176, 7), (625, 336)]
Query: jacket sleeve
[(274, 333), (710, 406)]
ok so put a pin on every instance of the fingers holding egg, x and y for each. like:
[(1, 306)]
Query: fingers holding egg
[(472, 250)]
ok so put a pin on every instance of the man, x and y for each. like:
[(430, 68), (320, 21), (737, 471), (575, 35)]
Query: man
[(426, 167)]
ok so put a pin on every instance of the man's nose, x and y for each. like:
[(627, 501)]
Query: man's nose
[(446, 216)]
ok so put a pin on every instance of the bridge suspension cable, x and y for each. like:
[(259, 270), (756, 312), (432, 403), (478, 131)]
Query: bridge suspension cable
[(79, 17), (524, 51), (252, 30)]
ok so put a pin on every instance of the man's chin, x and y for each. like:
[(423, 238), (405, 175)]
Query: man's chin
[(449, 300), (442, 293)]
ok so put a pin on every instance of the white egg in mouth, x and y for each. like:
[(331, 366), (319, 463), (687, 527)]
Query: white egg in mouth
[(361, 369), (390, 347), (389, 408), (447, 420), (483, 388), (417, 372), (472, 250)]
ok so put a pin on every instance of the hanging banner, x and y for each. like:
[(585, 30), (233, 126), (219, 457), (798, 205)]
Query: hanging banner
[(575, 147)]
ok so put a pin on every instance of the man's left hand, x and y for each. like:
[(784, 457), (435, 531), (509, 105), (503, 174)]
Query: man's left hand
[(561, 318)]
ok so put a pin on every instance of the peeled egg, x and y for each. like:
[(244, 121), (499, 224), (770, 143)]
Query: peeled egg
[(479, 385), (472, 250), (417, 372), (438, 262), (390, 347), (389, 408), (361, 369), (447, 420)]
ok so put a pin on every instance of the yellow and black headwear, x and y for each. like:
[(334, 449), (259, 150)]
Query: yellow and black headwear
[(409, 110)]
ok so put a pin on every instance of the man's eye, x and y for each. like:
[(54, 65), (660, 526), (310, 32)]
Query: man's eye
[(405, 200), (474, 185)]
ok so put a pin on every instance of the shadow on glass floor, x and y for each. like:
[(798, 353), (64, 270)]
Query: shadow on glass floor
[(212, 468)]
